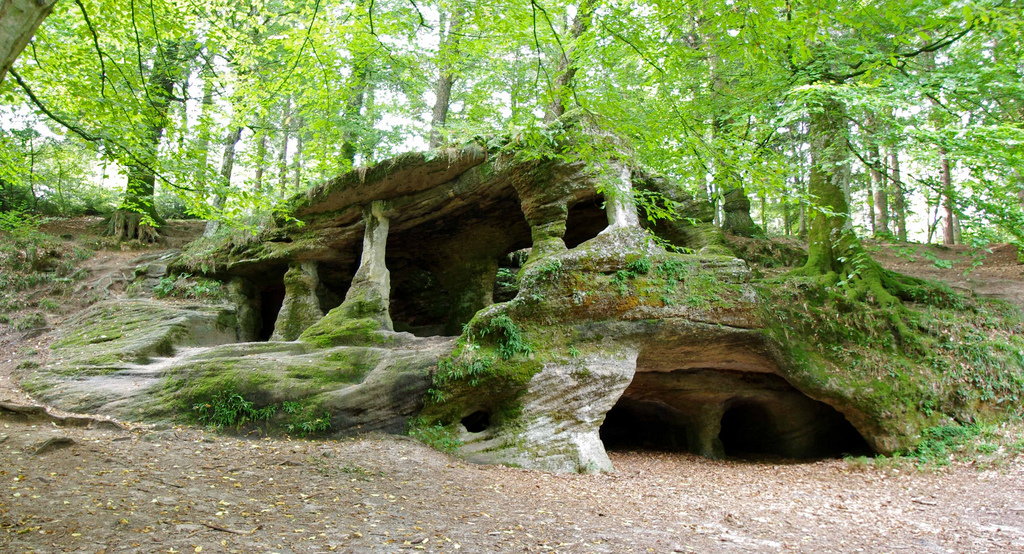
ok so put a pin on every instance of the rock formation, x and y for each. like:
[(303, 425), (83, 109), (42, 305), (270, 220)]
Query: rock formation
[(378, 300)]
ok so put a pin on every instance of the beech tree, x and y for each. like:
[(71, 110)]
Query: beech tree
[(19, 20), (767, 100)]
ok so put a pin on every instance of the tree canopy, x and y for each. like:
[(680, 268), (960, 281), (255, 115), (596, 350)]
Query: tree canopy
[(913, 111)]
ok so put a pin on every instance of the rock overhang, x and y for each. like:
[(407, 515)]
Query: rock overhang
[(414, 244)]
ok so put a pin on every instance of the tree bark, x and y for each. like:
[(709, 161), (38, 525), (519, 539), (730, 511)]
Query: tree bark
[(446, 55), (880, 222), (19, 20), (282, 153), (204, 128), (227, 165), (899, 202), (566, 64), (297, 158), (830, 224), (261, 157), (353, 111), (948, 232), (136, 218)]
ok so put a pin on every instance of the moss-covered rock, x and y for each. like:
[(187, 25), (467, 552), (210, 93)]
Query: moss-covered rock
[(662, 322), (301, 307)]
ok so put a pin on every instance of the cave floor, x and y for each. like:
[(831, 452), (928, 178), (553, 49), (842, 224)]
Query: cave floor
[(187, 490)]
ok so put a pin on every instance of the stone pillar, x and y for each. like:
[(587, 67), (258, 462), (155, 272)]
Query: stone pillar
[(619, 203), (369, 296), (702, 432), (301, 307), (547, 238), (245, 297)]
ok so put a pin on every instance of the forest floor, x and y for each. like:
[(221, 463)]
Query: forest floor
[(158, 488)]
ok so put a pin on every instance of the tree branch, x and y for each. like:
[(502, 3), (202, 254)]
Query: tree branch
[(87, 136), (96, 43)]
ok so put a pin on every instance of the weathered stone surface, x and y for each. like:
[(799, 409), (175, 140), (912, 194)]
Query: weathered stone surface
[(563, 407), (736, 214), (607, 340), (301, 307), (400, 176), (360, 389)]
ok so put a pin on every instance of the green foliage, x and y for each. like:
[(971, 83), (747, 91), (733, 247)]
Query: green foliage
[(436, 436), (941, 441), (227, 408), (184, 285), (937, 261), (634, 269), (508, 336), (19, 223), (310, 426), (30, 259)]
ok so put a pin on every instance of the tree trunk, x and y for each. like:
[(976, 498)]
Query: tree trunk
[(353, 111), (835, 254), (446, 55), (297, 159), (261, 158), (227, 166), (136, 217), (880, 223), (19, 20), (567, 65), (282, 153), (871, 184), (898, 198), (204, 129), (831, 224), (948, 233)]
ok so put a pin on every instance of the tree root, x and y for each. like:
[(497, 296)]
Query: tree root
[(128, 225)]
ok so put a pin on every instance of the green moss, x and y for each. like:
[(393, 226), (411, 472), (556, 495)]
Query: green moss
[(907, 367), (335, 329)]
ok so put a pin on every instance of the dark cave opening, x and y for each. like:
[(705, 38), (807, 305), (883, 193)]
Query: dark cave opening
[(335, 279), (643, 425), (506, 285), (271, 300), (812, 430), (477, 421), (419, 303), (720, 413), (444, 272), (747, 428), (586, 219)]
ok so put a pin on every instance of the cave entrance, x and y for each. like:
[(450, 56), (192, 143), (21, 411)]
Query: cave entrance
[(444, 271), (419, 303), (271, 300), (586, 219), (795, 427), (718, 413)]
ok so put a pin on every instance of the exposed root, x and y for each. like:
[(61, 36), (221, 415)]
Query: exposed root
[(128, 225)]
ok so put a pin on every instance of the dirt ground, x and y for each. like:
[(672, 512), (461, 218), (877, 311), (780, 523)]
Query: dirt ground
[(145, 488)]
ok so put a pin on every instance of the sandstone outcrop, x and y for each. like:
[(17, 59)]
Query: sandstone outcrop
[(526, 311)]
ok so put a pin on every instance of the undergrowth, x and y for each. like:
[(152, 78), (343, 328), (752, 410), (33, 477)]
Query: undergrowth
[(436, 436), (31, 260), (184, 285), (227, 408), (945, 360), (983, 445)]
